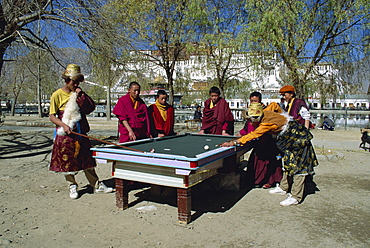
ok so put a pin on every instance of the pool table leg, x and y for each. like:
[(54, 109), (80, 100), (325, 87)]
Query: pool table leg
[(121, 194), (184, 205)]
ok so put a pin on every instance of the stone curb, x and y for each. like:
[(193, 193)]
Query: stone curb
[(33, 124)]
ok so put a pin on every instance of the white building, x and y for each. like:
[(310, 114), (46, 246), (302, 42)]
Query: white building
[(197, 68), (264, 77)]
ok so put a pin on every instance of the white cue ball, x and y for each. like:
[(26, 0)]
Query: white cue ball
[(206, 147)]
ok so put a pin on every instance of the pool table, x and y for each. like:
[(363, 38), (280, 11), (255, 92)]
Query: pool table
[(180, 161)]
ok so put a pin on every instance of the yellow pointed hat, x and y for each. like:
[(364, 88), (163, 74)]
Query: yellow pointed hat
[(73, 71), (255, 109)]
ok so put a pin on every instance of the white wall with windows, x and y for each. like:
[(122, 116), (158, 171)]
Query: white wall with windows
[(265, 78)]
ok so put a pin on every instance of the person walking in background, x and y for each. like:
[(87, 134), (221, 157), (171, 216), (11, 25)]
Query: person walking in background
[(198, 114), (71, 153), (132, 114), (217, 116), (161, 116), (8, 106), (198, 117), (264, 169)]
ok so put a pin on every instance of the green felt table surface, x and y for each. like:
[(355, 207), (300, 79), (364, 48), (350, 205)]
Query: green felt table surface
[(188, 145)]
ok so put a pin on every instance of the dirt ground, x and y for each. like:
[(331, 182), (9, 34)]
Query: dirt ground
[(36, 211)]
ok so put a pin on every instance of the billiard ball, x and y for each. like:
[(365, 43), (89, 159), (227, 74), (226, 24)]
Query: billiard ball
[(206, 147), (152, 150)]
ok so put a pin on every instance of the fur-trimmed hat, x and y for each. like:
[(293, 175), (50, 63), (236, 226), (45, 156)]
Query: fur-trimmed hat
[(255, 109), (287, 88), (73, 72)]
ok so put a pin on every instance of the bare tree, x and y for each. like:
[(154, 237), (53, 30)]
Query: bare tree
[(64, 16), (17, 80), (15, 16), (106, 74)]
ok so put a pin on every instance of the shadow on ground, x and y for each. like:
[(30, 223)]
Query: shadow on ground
[(205, 196), (24, 145)]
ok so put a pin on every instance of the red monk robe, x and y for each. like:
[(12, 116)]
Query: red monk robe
[(136, 114), (71, 152), (161, 124), (217, 118)]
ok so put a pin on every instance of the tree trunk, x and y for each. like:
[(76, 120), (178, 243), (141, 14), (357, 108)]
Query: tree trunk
[(170, 87), (14, 103), (12, 112), (322, 102), (108, 106), (39, 86), (171, 99), (3, 48), (221, 86), (298, 84)]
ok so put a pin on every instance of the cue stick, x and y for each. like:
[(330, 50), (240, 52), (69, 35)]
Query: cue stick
[(110, 143)]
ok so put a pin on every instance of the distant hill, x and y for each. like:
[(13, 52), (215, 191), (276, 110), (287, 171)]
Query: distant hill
[(72, 55)]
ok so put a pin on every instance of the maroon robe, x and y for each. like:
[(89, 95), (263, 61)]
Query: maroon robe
[(294, 110), (248, 127), (217, 118), (136, 118), (72, 152), (158, 125), (263, 166)]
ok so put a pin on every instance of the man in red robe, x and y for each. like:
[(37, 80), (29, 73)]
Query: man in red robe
[(71, 153), (132, 115), (161, 116), (217, 116)]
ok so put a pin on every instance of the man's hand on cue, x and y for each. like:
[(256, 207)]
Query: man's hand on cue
[(228, 144), (66, 129)]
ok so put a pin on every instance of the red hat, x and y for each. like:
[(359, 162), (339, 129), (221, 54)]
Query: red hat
[(287, 88)]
